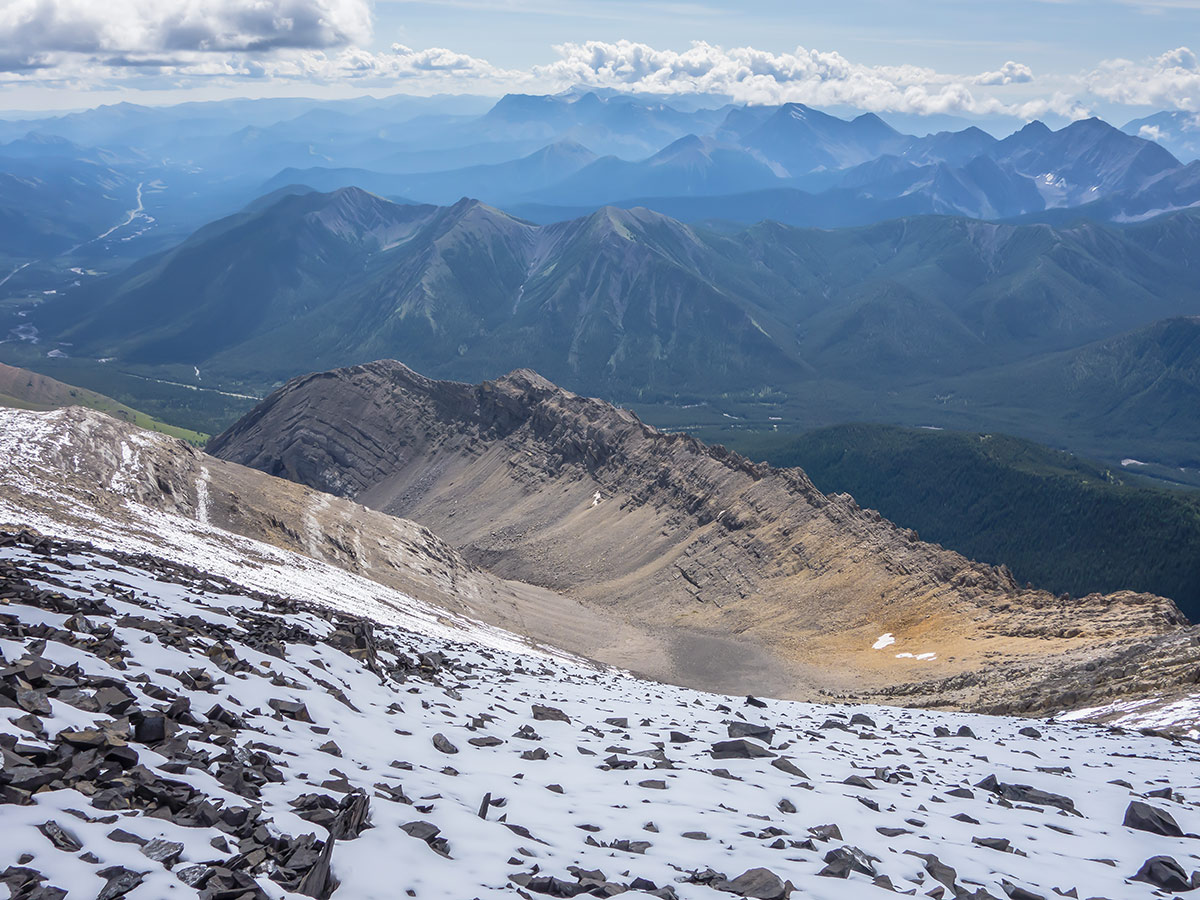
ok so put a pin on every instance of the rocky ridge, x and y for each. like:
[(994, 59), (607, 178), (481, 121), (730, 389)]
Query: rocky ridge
[(78, 473), (749, 574)]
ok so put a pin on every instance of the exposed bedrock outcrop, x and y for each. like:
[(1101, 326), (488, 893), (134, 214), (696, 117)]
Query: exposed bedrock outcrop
[(747, 574)]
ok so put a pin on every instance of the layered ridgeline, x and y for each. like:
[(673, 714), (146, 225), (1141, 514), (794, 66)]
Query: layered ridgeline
[(104, 186), (634, 305), (81, 474), (1137, 391), (791, 163), (736, 570)]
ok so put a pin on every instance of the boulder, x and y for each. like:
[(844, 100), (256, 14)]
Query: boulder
[(1145, 817), (549, 714), (1165, 873), (442, 743), (749, 729), (760, 883), (739, 749)]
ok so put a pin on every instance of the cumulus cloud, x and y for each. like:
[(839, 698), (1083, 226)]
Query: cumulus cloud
[(133, 27), (439, 59), (820, 78), (1171, 80), (83, 44), (1009, 73), (400, 63)]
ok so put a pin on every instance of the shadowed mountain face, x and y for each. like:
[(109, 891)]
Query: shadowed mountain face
[(1084, 161), (1055, 519), (1178, 131), (51, 203), (802, 139), (689, 166), (514, 178), (621, 301), (1136, 388), (660, 531)]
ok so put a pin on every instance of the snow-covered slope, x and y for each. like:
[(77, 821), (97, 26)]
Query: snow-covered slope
[(77, 473), (169, 733)]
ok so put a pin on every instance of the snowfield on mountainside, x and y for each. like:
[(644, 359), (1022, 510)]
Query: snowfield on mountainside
[(169, 733)]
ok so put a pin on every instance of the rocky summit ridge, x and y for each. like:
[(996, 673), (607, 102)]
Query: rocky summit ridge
[(733, 575)]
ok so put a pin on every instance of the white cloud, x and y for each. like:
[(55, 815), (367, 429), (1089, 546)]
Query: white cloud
[(820, 78), (435, 64), (175, 44), (1009, 73), (1171, 80), (152, 44), (1151, 133), (130, 28), (158, 44)]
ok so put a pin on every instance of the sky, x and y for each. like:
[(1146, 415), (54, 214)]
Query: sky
[(1021, 59)]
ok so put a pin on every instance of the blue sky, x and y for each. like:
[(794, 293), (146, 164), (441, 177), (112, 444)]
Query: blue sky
[(1053, 59), (953, 35)]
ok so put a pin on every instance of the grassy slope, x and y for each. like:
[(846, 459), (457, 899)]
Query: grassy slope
[(23, 389), (1058, 521)]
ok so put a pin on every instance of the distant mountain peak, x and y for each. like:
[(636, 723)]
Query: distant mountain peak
[(527, 380), (564, 147), (464, 204), (42, 137), (1092, 122), (589, 99), (1036, 128), (354, 194), (872, 122), (522, 105), (607, 217), (685, 144)]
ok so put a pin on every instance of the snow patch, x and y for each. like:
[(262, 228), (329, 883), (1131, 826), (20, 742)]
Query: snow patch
[(29, 442), (202, 496)]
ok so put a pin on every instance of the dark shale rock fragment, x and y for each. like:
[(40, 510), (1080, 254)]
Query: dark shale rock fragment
[(291, 709), (442, 743), (841, 861), (60, 837), (759, 883), (1145, 817), (749, 729), (119, 881), (549, 714), (739, 749), (1023, 793), (1165, 873)]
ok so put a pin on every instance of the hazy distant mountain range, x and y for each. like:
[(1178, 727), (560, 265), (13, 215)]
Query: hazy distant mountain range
[(777, 263), (552, 158), (636, 305), (796, 165)]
